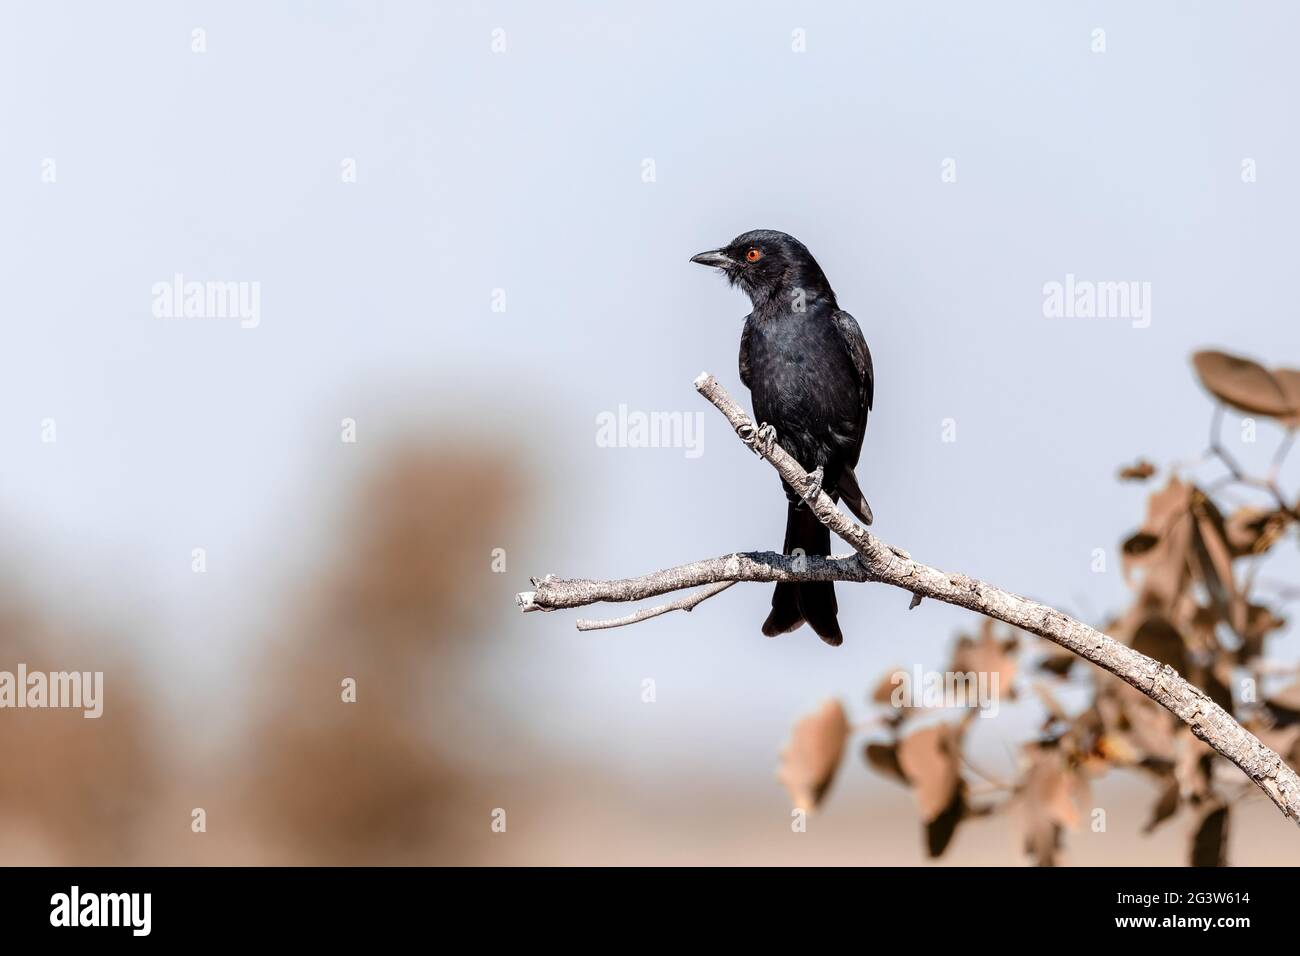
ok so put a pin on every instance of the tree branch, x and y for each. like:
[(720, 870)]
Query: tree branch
[(553, 594), (877, 562), (681, 604), (1238, 474)]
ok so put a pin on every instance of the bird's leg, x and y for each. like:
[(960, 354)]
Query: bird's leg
[(814, 486)]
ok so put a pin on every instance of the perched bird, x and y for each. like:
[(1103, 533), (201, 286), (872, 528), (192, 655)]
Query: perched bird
[(808, 370)]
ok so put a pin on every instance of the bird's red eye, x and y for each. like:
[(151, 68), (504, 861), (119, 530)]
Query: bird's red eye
[(753, 255)]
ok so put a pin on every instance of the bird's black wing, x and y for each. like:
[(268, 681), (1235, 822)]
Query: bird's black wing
[(856, 345), (744, 354)]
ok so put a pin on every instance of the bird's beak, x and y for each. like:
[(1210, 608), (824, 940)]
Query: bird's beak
[(716, 258)]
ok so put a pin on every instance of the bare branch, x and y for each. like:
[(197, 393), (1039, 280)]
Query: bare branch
[(681, 604), (1238, 474), (878, 562), (553, 594), (1279, 456)]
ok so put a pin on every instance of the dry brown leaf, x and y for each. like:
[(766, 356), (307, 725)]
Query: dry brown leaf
[(884, 692), (939, 831), (1140, 470), (1260, 623), (1118, 748), (1151, 727), (1166, 806), (929, 760), (1052, 794), (884, 759), (1288, 379), (1164, 506), (1162, 546), (1197, 624), (1245, 385), (1159, 639), (1213, 561), (1084, 737), (1042, 842), (1133, 728), (1137, 546), (1210, 841), (1254, 530), (809, 761), (986, 654), (1193, 766), (1057, 661), (1049, 787), (1055, 712), (1081, 787), (1216, 680), (1284, 705)]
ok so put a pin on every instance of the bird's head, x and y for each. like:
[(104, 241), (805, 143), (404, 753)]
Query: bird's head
[(766, 263)]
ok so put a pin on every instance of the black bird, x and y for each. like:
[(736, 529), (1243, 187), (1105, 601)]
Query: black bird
[(808, 370)]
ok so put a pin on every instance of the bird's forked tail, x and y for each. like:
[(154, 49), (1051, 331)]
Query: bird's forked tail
[(814, 602)]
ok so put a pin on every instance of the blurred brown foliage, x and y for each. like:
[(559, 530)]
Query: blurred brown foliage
[(73, 789), (335, 782), (309, 778), (1196, 605)]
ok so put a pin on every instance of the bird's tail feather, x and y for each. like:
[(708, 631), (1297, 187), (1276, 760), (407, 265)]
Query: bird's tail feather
[(814, 602), (853, 496)]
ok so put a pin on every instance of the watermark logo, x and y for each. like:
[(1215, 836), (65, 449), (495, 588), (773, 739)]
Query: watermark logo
[(181, 299), (1087, 299), (75, 908), (633, 429), (73, 690), (921, 688)]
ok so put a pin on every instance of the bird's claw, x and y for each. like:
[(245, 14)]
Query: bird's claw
[(814, 486), (760, 438)]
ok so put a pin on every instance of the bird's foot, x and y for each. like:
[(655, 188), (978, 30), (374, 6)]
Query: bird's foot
[(814, 486), (760, 438)]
